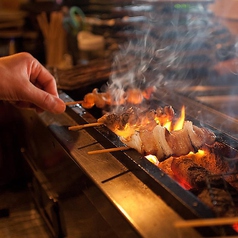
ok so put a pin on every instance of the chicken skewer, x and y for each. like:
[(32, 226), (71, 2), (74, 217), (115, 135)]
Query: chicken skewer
[(100, 100), (146, 132)]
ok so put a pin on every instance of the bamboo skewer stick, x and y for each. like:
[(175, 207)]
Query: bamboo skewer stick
[(108, 150), (207, 222), (73, 102), (78, 127)]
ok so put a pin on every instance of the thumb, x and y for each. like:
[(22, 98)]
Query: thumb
[(46, 101)]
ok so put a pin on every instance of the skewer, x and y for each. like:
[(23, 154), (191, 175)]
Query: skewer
[(207, 222), (108, 150), (73, 102), (78, 127)]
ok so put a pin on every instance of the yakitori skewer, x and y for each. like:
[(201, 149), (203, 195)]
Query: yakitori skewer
[(207, 222), (79, 127), (108, 150), (73, 102)]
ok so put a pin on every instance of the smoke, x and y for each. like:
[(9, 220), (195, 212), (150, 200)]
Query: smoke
[(174, 45)]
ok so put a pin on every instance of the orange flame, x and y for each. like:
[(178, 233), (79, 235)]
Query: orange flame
[(179, 123), (148, 121), (168, 125), (153, 159)]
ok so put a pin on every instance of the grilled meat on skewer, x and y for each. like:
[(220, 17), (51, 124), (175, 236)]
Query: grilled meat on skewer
[(131, 96), (145, 132)]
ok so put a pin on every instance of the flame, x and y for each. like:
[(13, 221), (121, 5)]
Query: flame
[(179, 123), (148, 121), (168, 125), (127, 131), (153, 159), (199, 154)]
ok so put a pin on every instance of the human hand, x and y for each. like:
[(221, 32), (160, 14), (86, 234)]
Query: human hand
[(28, 84)]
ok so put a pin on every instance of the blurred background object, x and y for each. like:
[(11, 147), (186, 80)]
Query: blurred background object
[(12, 21), (54, 37), (227, 13)]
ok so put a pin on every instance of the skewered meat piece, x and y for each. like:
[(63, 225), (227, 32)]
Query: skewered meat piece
[(96, 98), (148, 142), (89, 100), (160, 140), (165, 114), (124, 124), (133, 142), (139, 119), (189, 173), (132, 96), (147, 120), (199, 136), (144, 143), (145, 133), (110, 120), (179, 142), (129, 117)]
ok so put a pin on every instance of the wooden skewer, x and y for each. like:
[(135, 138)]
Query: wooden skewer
[(207, 222), (108, 150), (73, 102), (78, 127)]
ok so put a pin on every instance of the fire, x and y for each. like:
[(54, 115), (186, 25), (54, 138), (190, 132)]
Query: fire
[(153, 159), (198, 154), (127, 131), (179, 123), (168, 125), (148, 121)]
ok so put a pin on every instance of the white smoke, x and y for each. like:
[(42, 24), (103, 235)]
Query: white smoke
[(176, 46)]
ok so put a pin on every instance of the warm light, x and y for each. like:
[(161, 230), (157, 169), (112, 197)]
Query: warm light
[(201, 153), (153, 159), (198, 154), (179, 123), (235, 227), (149, 121), (167, 125), (127, 131)]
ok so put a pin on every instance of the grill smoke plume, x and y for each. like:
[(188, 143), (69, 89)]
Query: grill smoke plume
[(173, 45)]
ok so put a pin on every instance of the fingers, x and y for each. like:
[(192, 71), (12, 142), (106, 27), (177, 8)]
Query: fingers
[(42, 78), (43, 90), (45, 100), (27, 82)]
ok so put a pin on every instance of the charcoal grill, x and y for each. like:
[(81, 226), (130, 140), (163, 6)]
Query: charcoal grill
[(144, 200)]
